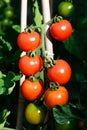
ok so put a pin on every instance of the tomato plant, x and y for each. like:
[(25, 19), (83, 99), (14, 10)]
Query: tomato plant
[(73, 49), (31, 90), (28, 41), (60, 72), (34, 114), (61, 30), (66, 8), (56, 97), (30, 65)]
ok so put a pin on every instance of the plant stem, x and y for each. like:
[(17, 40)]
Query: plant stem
[(42, 48), (43, 39)]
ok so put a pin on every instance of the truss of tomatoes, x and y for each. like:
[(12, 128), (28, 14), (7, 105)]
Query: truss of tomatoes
[(60, 72)]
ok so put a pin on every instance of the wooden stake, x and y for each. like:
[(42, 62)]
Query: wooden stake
[(23, 25), (46, 18), (51, 7)]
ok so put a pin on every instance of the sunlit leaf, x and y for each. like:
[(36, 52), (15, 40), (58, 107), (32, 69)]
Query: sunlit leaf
[(3, 118), (37, 17), (7, 84), (17, 28), (6, 43)]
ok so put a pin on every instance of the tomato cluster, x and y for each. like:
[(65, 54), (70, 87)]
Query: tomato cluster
[(58, 73), (30, 65)]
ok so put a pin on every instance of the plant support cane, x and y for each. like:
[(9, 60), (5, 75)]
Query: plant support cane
[(21, 100), (46, 9), (46, 18)]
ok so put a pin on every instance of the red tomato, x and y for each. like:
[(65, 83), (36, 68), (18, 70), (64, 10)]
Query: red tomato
[(60, 72), (61, 30), (56, 97), (31, 90), (30, 65), (28, 41)]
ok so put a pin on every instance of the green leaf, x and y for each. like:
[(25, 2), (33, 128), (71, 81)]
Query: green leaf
[(62, 114), (17, 77), (3, 118), (17, 28), (6, 83), (7, 44), (37, 17), (76, 44)]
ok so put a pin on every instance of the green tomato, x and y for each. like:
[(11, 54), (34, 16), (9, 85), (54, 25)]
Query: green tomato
[(6, 22), (8, 13), (69, 125), (34, 114), (66, 9)]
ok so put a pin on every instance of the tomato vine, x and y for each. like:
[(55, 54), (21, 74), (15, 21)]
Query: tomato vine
[(46, 80)]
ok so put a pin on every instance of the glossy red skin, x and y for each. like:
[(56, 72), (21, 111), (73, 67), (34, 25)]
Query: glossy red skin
[(31, 90), (60, 72), (61, 30), (56, 97), (30, 65), (28, 41)]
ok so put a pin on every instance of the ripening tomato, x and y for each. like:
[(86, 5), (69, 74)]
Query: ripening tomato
[(61, 30), (28, 41), (31, 90), (30, 65), (35, 114), (60, 72), (56, 97)]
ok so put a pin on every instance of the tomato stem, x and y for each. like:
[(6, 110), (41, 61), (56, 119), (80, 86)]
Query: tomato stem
[(54, 85), (54, 19), (49, 62), (33, 78), (43, 25), (32, 28), (31, 53)]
